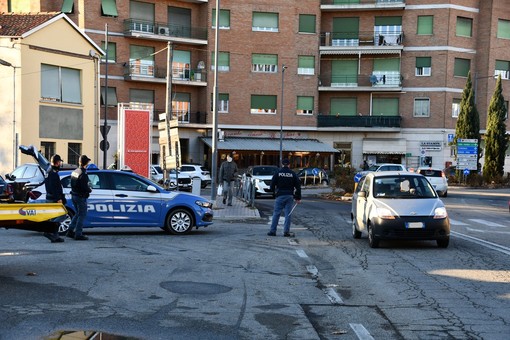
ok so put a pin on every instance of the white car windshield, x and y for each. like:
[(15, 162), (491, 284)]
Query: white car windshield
[(403, 187)]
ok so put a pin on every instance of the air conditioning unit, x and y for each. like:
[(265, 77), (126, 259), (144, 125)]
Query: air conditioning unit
[(163, 30)]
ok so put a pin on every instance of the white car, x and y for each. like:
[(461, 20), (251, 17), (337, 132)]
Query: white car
[(260, 176), (156, 173), (194, 171), (382, 167), (437, 178)]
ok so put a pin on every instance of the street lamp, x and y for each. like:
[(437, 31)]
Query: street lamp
[(281, 115), (14, 135)]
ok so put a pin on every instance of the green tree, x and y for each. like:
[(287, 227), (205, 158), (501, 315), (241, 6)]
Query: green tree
[(468, 122), (496, 140)]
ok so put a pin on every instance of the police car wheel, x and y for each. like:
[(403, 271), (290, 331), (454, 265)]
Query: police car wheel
[(64, 225), (179, 222)]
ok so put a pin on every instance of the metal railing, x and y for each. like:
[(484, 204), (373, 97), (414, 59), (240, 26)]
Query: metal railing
[(364, 38), (163, 29), (137, 69), (375, 79), (358, 121)]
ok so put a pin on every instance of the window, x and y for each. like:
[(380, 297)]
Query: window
[(264, 63), (60, 84), (388, 30), (223, 99), (503, 29), (109, 8), (306, 64), (423, 66), (141, 15), (421, 107), (461, 67), (425, 25), (304, 105), (67, 6), (112, 52), (179, 20), (385, 107), (386, 72), (223, 61), (344, 107), (141, 60), (464, 27), (112, 96), (263, 104), (141, 96), (224, 19), (344, 73), (502, 69), (345, 32), (306, 23), (455, 107), (48, 150), (180, 64), (181, 105), (73, 153), (265, 22)]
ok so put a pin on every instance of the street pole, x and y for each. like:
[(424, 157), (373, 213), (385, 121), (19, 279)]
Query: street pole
[(168, 99), (281, 116), (214, 153), (105, 131)]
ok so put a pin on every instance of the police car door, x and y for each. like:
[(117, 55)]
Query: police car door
[(133, 204)]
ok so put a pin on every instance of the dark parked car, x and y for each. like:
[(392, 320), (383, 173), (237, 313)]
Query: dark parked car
[(313, 176), (5, 191)]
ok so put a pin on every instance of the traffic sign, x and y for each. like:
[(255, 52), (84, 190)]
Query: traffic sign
[(466, 171), (357, 177)]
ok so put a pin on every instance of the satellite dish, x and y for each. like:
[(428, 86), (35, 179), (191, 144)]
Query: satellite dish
[(201, 65)]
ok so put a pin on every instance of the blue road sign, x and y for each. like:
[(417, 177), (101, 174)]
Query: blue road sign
[(466, 171), (315, 171), (357, 177)]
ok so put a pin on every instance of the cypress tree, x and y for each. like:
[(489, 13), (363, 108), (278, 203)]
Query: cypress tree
[(496, 140), (468, 122)]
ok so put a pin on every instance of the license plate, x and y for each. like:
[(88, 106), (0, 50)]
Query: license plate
[(414, 225)]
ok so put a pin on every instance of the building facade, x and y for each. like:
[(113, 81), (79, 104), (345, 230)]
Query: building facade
[(48, 90), (375, 80)]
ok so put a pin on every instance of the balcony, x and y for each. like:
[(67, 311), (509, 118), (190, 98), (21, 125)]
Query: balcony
[(359, 121), (377, 81), (165, 32), (362, 5), (147, 72), (183, 117), (367, 42)]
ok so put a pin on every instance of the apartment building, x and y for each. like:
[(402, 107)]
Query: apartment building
[(375, 80)]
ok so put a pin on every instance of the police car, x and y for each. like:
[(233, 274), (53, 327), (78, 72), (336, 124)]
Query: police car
[(125, 199)]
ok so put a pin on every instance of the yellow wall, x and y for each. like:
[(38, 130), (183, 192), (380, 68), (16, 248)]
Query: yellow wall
[(50, 40)]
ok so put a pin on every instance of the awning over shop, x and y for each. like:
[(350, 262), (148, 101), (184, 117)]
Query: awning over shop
[(270, 144), (384, 146)]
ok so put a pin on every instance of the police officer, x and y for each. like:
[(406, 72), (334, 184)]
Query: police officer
[(80, 191), (54, 193), (287, 188)]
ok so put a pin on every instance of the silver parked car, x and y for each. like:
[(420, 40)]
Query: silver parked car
[(398, 205)]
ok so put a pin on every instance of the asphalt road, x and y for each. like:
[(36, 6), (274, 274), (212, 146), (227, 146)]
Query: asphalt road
[(232, 281)]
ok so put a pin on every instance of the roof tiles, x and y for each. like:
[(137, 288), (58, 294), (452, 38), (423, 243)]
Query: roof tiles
[(16, 24)]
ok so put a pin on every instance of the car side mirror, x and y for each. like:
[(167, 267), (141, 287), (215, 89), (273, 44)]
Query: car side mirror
[(152, 188), (10, 177)]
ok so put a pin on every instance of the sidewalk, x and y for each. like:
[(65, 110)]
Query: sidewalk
[(241, 209)]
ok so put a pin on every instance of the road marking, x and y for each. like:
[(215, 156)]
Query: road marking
[(361, 331), (313, 270), (487, 223), (333, 296), (455, 222), (490, 245), (301, 253)]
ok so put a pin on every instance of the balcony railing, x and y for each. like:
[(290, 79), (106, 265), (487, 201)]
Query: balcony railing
[(359, 121), (348, 39), (184, 117), (385, 4), (160, 29), (150, 71), (377, 79)]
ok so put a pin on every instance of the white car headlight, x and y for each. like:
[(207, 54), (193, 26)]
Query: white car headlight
[(385, 213), (440, 212), (204, 204)]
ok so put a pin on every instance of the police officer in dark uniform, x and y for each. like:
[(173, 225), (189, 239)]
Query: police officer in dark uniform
[(287, 188), (54, 193), (80, 191)]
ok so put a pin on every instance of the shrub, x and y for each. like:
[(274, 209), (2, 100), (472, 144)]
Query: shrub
[(344, 178)]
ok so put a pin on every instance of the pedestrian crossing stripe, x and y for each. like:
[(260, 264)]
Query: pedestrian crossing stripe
[(487, 223)]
